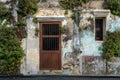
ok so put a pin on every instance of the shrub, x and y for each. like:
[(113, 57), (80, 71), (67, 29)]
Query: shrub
[(74, 15), (113, 5), (71, 4), (4, 12), (20, 23), (111, 46), (11, 52), (27, 7)]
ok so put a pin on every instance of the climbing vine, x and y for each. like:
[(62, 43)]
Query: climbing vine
[(113, 5), (71, 4), (27, 7)]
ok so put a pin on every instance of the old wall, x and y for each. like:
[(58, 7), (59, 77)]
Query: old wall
[(74, 61)]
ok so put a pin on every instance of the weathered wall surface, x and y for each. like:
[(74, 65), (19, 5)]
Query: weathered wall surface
[(31, 48), (76, 37)]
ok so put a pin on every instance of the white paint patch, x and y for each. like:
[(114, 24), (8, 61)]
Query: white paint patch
[(64, 22), (67, 47), (115, 25), (89, 46)]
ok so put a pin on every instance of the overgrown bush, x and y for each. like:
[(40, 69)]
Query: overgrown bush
[(71, 4), (5, 13), (11, 52), (113, 5), (111, 46), (74, 15), (27, 7)]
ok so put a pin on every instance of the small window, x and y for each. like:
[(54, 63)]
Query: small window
[(99, 29)]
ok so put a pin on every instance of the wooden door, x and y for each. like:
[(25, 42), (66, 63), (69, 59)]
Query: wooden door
[(50, 46)]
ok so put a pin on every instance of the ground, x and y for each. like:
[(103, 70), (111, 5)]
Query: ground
[(59, 77)]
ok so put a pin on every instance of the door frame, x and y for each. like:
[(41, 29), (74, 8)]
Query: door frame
[(40, 44)]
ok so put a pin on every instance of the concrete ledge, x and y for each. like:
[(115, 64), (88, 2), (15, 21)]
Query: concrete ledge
[(50, 18)]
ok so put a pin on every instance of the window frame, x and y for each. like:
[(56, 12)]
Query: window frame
[(102, 28)]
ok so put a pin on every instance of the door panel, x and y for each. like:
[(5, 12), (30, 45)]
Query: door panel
[(50, 46)]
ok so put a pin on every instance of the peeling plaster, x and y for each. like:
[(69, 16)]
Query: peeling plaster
[(114, 25), (89, 46)]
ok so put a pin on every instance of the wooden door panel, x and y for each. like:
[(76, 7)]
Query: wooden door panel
[(50, 61), (50, 46)]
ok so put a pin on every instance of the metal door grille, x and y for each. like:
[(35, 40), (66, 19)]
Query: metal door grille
[(50, 29), (52, 43)]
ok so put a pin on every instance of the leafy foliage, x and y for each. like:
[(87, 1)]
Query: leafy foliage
[(20, 23), (63, 29), (37, 30), (11, 52), (4, 12), (113, 5), (35, 20), (111, 46), (74, 15), (27, 7), (66, 12), (71, 4)]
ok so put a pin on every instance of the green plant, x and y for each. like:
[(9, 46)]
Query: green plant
[(35, 20), (66, 12), (80, 51), (74, 15), (113, 5), (71, 4), (11, 52), (20, 23), (37, 30), (111, 46), (4, 13), (27, 7), (20, 30), (63, 30)]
